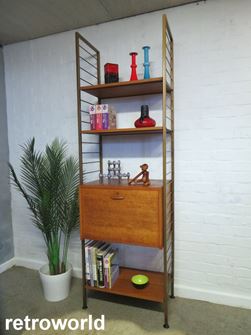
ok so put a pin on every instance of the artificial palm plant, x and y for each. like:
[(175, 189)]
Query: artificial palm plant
[(49, 183)]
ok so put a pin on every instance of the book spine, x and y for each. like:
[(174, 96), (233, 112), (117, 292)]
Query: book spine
[(87, 267), (92, 112), (90, 265), (106, 262), (100, 271), (94, 266), (113, 268), (98, 117), (105, 116), (109, 270)]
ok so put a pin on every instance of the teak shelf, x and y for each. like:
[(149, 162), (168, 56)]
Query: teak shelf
[(155, 183), (116, 212), (126, 131), (123, 286), (126, 88)]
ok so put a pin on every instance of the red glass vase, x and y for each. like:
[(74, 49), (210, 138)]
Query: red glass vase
[(144, 120), (133, 66)]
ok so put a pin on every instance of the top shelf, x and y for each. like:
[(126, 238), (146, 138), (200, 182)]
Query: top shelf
[(126, 88)]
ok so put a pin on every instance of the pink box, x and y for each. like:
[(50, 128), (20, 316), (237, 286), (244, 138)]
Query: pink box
[(99, 117), (92, 112), (105, 116)]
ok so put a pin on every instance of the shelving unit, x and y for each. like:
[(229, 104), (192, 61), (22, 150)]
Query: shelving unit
[(156, 229)]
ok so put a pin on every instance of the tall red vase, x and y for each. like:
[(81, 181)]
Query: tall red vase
[(134, 66)]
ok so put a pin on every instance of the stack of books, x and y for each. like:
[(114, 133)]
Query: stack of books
[(102, 117), (101, 264)]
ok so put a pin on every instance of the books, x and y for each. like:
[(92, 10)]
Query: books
[(111, 268), (101, 264), (102, 117)]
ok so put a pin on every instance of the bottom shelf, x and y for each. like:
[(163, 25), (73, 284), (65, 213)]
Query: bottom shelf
[(123, 286)]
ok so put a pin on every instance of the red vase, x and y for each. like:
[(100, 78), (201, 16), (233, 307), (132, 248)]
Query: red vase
[(133, 66), (144, 120)]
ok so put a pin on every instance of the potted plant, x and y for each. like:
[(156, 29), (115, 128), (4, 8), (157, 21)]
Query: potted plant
[(49, 183)]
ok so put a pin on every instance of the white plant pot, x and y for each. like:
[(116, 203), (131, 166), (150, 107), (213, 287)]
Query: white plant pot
[(55, 287)]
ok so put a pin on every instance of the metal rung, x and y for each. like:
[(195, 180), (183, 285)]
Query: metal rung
[(88, 122), (87, 102), (168, 37), (94, 56), (86, 81), (90, 162), (168, 42), (88, 142), (90, 152), (91, 172), (167, 59), (88, 72), (168, 73), (95, 67), (169, 52), (84, 112)]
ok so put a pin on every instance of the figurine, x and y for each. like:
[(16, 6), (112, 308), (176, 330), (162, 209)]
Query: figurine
[(133, 66), (146, 62), (145, 176)]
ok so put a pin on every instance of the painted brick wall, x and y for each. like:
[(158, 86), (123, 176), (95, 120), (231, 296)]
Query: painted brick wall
[(6, 233), (212, 139)]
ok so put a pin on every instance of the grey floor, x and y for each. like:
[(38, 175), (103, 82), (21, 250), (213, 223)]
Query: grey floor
[(21, 295)]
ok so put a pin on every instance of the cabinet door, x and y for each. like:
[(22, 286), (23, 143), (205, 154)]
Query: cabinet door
[(123, 216)]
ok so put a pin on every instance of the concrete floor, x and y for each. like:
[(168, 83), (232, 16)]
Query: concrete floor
[(21, 295)]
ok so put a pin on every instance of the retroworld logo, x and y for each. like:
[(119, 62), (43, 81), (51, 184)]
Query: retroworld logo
[(57, 324)]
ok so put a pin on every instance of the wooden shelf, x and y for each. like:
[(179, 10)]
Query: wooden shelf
[(125, 131), (155, 183), (123, 286), (126, 88)]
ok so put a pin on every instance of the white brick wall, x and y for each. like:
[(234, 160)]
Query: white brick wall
[(212, 140)]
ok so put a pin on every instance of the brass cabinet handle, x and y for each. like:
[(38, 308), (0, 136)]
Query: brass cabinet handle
[(117, 196)]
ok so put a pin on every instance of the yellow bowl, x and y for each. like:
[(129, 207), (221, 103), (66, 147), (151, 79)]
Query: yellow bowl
[(139, 281)]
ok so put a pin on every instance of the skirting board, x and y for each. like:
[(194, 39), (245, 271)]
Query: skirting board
[(180, 290), (36, 265), (216, 297), (7, 265)]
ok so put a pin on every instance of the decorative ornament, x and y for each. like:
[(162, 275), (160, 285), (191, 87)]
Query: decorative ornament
[(114, 172), (111, 73), (145, 176), (144, 120), (146, 62), (133, 66)]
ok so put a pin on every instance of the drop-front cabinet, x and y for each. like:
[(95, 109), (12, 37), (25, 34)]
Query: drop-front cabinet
[(121, 213)]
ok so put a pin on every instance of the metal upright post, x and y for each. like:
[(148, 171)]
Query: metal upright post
[(87, 71), (166, 325), (172, 163)]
